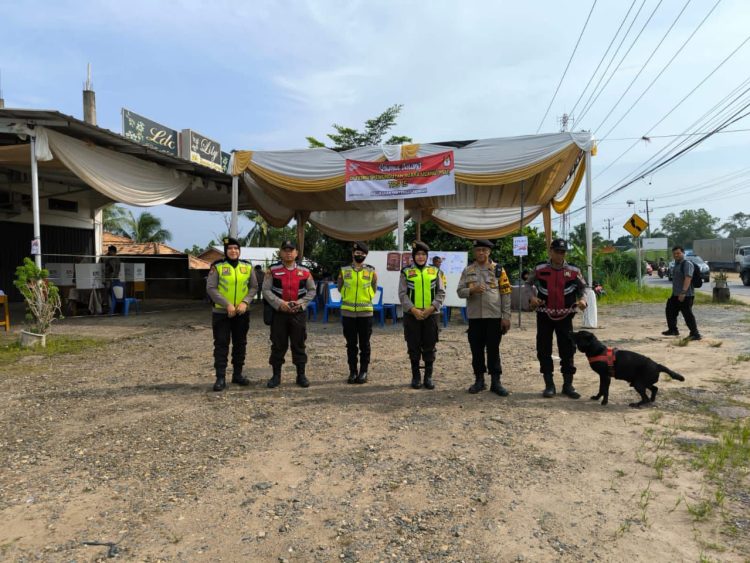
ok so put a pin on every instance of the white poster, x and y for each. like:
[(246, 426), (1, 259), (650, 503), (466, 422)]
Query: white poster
[(521, 246)]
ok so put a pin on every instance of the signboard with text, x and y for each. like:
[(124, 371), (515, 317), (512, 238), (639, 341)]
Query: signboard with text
[(427, 176), (148, 133), (225, 156), (655, 244), (199, 149), (521, 246)]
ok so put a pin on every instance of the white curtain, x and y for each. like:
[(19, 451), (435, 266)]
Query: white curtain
[(120, 177)]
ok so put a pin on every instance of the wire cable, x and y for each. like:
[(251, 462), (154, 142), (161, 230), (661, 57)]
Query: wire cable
[(570, 60)]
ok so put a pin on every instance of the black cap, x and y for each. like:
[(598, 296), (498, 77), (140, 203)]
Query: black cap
[(112, 248), (288, 244), (559, 244), (229, 241), (361, 246), (418, 245), (483, 243)]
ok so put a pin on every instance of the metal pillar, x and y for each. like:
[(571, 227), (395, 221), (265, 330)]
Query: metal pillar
[(235, 205), (36, 243), (400, 225), (589, 212)]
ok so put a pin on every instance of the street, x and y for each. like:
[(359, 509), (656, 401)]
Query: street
[(736, 289)]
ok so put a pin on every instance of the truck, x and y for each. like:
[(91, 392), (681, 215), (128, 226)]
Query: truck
[(723, 253)]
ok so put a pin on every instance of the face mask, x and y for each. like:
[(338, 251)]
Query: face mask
[(359, 259)]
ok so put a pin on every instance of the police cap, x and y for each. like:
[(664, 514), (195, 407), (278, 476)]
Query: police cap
[(559, 244), (288, 244), (483, 243), (418, 245), (361, 246)]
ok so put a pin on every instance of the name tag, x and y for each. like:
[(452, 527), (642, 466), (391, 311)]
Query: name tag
[(225, 271)]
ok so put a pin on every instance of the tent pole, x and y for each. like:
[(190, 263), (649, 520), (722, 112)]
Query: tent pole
[(419, 230), (235, 205), (37, 242), (300, 233), (520, 257), (589, 241), (400, 225)]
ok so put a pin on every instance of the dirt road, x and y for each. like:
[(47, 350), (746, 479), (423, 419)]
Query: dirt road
[(127, 444)]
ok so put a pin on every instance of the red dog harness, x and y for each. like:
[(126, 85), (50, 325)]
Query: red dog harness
[(609, 357)]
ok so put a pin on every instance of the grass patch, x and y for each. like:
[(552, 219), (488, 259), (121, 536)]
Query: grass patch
[(731, 452), (626, 291), (56, 344), (742, 358)]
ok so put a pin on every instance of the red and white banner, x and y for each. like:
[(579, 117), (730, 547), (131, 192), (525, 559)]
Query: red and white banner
[(427, 176)]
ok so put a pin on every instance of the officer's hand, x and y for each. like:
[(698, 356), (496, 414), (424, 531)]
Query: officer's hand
[(478, 288), (417, 313), (504, 325), (535, 302), (284, 307), (680, 298), (582, 304), (231, 311), (242, 308)]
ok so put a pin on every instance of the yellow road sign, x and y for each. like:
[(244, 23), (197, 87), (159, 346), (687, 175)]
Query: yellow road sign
[(636, 225)]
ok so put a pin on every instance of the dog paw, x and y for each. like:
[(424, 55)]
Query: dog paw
[(605, 402), (635, 405), (595, 397)]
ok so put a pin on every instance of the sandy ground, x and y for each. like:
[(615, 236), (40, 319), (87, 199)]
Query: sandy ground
[(127, 444)]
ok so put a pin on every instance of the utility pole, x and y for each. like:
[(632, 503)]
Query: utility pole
[(609, 228), (648, 217)]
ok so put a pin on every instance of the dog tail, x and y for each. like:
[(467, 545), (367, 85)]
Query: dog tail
[(670, 373)]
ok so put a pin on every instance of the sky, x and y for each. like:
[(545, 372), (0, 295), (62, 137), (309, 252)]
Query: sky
[(264, 75)]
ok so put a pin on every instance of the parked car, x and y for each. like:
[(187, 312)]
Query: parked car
[(698, 261), (745, 270)]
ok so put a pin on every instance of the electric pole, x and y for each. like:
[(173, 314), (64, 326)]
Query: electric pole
[(609, 228), (648, 217)]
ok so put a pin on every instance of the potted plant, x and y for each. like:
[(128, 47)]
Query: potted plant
[(42, 301), (720, 279), (721, 287)]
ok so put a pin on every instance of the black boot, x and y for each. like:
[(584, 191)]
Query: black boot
[(238, 378), (568, 388), (352, 375), (275, 380), (549, 386), (302, 380), (221, 383), (428, 383), (479, 384), (362, 377), (416, 377), (497, 387)]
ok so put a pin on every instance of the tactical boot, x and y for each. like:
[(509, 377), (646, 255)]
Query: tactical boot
[(479, 384), (275, 380), (497, 387), (428, 383), (352, 376), (416, 377), (568, 388), (221, 383), (302, 380), (362, 377), (549, 386), (238, 378)]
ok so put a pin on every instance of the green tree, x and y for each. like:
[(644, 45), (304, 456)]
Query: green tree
[(144, 228), (113, 219), (196, 250), (375, 129), (624, 242), (689, 225), (577, 237), (737, 226)]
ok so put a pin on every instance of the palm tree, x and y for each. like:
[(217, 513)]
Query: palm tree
[(113, 218), (260, 234), (144, 228)]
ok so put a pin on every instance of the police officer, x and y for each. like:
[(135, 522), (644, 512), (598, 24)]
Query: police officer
[(486, 288), (358, 283), (421, 293), (557, 291), (288, 287), (231, 286)]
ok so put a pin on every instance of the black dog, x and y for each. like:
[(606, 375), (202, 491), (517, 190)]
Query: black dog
[(638, 370)]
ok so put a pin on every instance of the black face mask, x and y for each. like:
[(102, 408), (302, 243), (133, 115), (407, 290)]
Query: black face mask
[(359, 259)]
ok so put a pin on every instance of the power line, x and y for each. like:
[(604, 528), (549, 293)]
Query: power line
[(643, 67), (643, 28), (624, 19), (647, 139), (566, 67)]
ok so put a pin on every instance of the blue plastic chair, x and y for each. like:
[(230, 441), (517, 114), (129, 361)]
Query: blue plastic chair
[(382, 308), (333, 302), (312, 310), (464, 315), (117, 296), (444, 312)]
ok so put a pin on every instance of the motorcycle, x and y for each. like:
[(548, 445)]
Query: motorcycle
[(662, 271), (649, 269)]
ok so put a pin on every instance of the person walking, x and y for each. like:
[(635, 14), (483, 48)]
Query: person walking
[(683, 294), (486, 288), (557, 292), (231, 286), (259, 275), (288, 287), (357, 283), (421, 293)]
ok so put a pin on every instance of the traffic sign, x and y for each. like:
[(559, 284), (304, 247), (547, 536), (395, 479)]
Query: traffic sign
[(635, 225)]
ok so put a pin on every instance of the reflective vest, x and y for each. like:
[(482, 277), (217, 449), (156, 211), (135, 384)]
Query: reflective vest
[(357, 291), (234, 282), (421, 285)]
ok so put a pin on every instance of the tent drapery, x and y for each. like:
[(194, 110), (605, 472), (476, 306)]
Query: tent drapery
[(488, 173)]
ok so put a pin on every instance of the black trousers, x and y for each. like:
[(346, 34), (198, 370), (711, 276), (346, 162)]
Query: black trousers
[(485, 336), (288, 329), (228, 329), (675, 307), (545, 328), (421, 338), (357, 331)]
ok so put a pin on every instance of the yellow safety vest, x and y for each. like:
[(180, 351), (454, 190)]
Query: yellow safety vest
[(357, 291), (421, 285), (234, 283)]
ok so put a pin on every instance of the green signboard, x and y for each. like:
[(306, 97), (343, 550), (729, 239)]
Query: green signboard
[(148, 133)]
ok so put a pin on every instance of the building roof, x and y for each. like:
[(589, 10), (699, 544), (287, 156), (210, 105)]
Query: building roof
[(127, 247)]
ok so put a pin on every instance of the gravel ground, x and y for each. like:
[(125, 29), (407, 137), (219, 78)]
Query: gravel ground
[(127, 445)]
